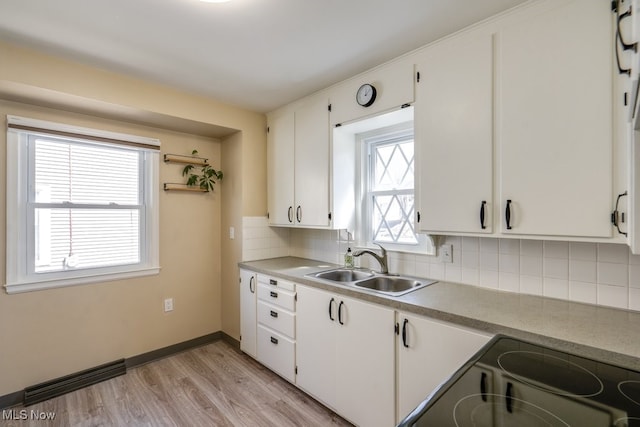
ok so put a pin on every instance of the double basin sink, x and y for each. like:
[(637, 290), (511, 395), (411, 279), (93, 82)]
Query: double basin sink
[(368, 280)]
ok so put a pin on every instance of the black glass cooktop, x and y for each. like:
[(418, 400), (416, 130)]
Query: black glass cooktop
[(515, 383)]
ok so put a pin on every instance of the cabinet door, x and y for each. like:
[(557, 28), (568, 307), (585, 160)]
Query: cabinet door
[(312, 162), (248, 320), (454, 136), (431, 352), (280, 168), (555, 121), (316, 343), (365, 363)]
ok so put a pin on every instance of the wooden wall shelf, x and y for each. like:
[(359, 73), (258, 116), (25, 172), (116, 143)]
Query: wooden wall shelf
[(171, 186), (185, 160)]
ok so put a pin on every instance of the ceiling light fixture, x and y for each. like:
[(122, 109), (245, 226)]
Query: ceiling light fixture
[(214, 1)]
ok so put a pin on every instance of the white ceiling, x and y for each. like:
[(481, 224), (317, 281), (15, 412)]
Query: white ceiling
[(256, 54)]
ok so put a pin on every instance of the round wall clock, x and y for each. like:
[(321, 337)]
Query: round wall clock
[(366, 95)]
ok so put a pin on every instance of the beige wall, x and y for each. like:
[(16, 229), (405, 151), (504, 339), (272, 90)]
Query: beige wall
[(46, 334)]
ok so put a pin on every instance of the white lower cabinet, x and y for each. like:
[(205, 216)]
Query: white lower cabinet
[(248, 325), (429, 351), (275, 314), (345, 355), (369, 363)]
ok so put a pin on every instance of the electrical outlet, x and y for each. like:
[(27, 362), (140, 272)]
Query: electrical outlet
[(446, 253), (168, 304)]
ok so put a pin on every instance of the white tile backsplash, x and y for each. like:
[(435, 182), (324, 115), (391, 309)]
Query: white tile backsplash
[(259, 241), (594, 273), (583, 251)]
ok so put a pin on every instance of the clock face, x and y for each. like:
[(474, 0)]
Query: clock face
[(366, 95)]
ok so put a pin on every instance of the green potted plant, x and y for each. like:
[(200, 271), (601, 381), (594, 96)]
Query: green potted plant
[(205, 179)]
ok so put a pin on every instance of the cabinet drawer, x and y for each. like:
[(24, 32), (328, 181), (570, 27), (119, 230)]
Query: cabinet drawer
[(277, 352), (277, 319), (276, 296), (276, 283)]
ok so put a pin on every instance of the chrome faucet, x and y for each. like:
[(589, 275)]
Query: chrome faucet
[(382, 260)]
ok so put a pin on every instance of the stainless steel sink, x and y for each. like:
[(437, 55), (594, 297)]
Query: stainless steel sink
[(344, 275), (368, 280), (392, 285)]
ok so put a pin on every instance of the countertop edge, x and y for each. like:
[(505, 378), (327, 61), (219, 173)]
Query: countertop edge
[(588, 344)]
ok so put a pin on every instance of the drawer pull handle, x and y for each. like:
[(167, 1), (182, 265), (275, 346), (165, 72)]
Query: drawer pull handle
[(273, 282), (273, 294), (274, 314), (274, 340)]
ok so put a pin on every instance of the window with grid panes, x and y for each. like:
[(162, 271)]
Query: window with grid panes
[(389, 201)]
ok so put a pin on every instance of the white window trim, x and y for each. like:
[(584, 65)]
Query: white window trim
[(17, 278), (425, 245)]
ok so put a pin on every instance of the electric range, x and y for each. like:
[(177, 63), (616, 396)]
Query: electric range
[(510, 382)]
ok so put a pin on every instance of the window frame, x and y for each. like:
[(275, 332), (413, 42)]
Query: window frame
[(398, 133), (20, 256)]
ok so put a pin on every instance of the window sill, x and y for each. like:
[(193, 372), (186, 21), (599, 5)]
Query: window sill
[(20, 287)]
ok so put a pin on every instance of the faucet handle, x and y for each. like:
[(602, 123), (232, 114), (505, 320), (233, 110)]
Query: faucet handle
[(384, 251)]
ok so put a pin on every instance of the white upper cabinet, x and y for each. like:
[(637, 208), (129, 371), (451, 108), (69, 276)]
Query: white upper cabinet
[(280, 167), (454, 135), (312, 162), (554, 123), (298, 164), (393, 83)]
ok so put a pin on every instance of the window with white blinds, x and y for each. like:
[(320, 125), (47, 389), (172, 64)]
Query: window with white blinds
[(84, 202)]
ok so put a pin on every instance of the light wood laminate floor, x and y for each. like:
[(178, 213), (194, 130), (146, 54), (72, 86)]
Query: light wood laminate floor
[(212, 385)]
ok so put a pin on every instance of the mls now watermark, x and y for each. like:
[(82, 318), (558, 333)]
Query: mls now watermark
[(23, 415)]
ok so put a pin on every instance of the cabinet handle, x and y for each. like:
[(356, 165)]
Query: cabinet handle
[(273, 282), (274, 314), (483, 386), (418, 215), (299, 213), (274, 340), (340, 312), (509, 398), (507, 214), (625, 46), (404, 333), (331, 311), (482, 206), (273, 294), (290, 214), (252, 286), (617, 217)]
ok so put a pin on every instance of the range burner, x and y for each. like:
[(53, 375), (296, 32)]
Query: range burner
[(510, 382), (631, 390), (468, 412), (550, 373)]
